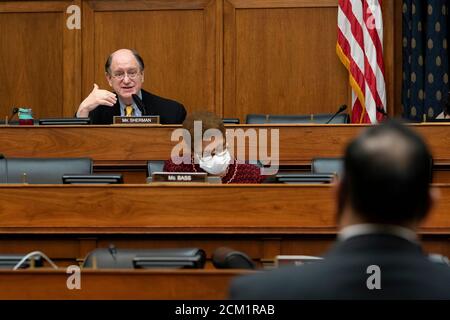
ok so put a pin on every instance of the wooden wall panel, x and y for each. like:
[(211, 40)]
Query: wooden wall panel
[(281, 58), (176, 39), (119, 285), (398, 57), (390, 31), (39, 65)]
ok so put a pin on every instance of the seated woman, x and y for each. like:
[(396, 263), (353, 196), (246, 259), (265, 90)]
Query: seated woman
[(213, 157)]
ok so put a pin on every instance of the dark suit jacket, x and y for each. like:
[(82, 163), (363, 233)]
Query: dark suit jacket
[(169, 111), (406, 273)]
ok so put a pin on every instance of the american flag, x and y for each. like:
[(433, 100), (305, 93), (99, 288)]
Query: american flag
[(360, 48)]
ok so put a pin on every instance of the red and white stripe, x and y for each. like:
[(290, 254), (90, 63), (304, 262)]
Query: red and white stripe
[(360, 48)]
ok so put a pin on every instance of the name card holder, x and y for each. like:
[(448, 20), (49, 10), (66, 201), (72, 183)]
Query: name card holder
[(184, 177), (120, 120)]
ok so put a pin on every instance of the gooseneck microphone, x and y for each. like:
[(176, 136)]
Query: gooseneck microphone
[(13, 113), (139, 104), (112, 251), (341, 109)]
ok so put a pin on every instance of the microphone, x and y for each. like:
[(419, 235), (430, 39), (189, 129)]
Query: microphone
[(112, 250), (341, 108), (13, 113), (139, 104)]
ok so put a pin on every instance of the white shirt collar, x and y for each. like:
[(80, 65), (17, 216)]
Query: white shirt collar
[(364, 229)]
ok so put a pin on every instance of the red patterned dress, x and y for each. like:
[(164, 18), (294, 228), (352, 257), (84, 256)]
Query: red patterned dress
[(236, 172)]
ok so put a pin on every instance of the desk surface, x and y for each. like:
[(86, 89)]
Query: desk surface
[(298, 143), (117, 284), (181, 209)]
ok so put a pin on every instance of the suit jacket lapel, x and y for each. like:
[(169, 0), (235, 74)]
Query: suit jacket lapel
[(147, 101), (116, 109)]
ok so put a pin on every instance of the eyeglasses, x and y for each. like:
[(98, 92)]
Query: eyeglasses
[(121, 75)]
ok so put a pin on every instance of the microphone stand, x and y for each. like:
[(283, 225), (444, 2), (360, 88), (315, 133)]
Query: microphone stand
[(342, 108)]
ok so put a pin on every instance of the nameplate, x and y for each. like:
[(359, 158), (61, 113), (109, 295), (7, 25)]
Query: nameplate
[(136, 120), (196, 177), (283, 261)]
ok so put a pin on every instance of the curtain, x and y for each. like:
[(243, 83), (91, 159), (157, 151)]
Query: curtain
[(425, 58)]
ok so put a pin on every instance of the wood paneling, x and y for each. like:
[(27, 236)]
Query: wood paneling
[(177, 41), (282, 60), (39, 58), (229, 56), (75, 247), (72, 75), (175, 208), (398, 57), (166, 208), (390, 29), (280, 57), (67, 222), (124, 145), (34, 85), (122, 284)]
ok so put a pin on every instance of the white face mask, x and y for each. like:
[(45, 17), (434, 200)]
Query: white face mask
[(215, 165)]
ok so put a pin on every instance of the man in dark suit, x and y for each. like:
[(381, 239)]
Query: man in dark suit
[(124, 71), (382, 198)]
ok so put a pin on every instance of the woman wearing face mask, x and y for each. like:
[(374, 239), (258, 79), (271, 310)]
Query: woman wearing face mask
[(213, 157)]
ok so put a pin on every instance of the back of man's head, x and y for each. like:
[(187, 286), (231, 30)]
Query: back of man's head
[(388, 170)]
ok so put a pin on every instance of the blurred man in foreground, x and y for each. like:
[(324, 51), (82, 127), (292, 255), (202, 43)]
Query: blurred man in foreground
[(383, 197)]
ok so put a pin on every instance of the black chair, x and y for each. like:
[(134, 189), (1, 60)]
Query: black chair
[(328, 165), (227, 258), (42, 170), (296, 119), (154, 166), (9, 261), (112, 258)]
